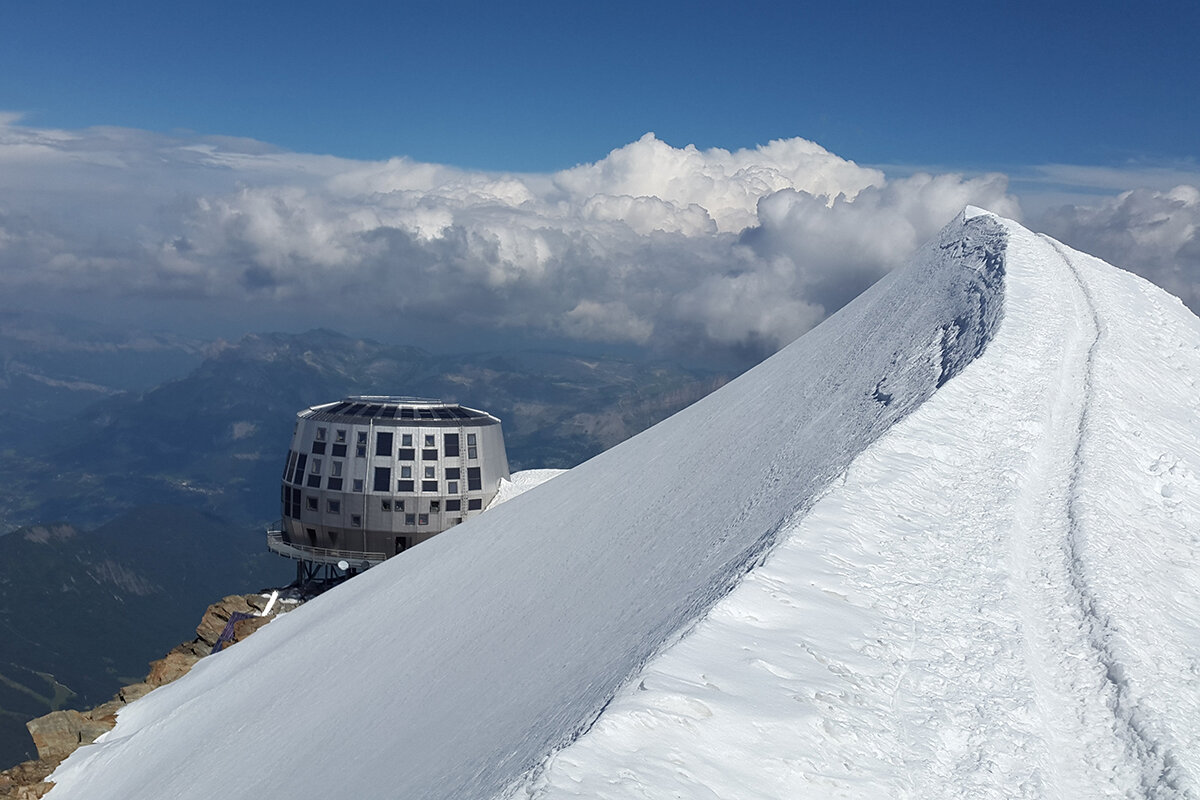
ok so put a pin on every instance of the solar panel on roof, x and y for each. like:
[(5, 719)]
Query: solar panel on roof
[(388, 412), (406, 413), (425, 413), (372, 410), (337, 409), (354, 409)]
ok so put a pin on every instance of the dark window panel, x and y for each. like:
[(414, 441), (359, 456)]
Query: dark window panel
[(383, 479), (474, 481), (301, 463)]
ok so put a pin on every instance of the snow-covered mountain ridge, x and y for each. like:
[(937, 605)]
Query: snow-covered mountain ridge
[(979, 580)]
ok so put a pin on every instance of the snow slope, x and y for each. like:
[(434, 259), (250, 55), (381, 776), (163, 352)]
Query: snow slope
[(998, 599), (983, 591)]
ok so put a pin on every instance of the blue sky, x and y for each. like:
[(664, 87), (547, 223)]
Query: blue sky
[(542, 86), (439, 173)]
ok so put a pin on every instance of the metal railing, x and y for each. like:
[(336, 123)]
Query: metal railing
[(320, 555)]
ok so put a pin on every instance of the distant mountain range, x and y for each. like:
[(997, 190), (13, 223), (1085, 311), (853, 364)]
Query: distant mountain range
[(215, 438), (82, 612), (172, 450)]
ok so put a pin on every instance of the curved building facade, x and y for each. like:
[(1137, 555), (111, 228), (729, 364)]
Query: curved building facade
[(368, 477)]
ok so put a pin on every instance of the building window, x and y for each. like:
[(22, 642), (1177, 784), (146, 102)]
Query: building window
[(312, 534), (339, 451), (360, 451), (429, 455), (422, 519), (383, 478), (314, 482), (320, 434), (355, 520), (452, 487), (340, 435), (311, 502), (383, 443), (333, 506), (471, 451), (428, 486), (406, 472), (399, 505), (289, 466), (405, 486), (300, 462), (318, 448), (406, 440), (361, 438), (316, 465), (435, 506), (335, 469), (450, 444), (429, 440), (334, 484), (410, 519), (470, 438), (406, 454), (474, 482), (358, 484), (385, 505), (431, 472), (474, 504), (453, 473), (454, 505)]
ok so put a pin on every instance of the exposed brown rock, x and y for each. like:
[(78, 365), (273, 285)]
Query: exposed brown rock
[(27, 781), (172, 666), (60, 733)]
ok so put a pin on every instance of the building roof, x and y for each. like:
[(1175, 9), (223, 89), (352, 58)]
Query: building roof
[(399, 412)]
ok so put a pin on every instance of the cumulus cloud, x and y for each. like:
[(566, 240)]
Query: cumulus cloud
[(1150, 232), (654, 245)]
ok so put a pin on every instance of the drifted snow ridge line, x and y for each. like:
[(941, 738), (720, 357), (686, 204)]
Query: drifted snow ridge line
[(1157, 763)]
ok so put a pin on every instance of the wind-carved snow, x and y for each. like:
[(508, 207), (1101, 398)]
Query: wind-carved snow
[(455, 669), (999, 598)]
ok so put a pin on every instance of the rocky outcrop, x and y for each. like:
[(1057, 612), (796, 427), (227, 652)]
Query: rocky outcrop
[(60, 733)]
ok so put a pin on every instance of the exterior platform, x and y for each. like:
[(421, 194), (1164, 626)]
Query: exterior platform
[(328, 556)]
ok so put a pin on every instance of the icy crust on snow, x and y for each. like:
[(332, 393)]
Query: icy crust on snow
[(454, 669), (999, 599), (521, 482)]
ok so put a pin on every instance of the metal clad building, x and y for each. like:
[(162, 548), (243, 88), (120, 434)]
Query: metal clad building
[(368, 477)]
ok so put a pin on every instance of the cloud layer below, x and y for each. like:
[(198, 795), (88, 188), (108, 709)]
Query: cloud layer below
[(678, 249)]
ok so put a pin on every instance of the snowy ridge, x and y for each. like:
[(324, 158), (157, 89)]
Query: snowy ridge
[(999, 599), (454, 670)]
